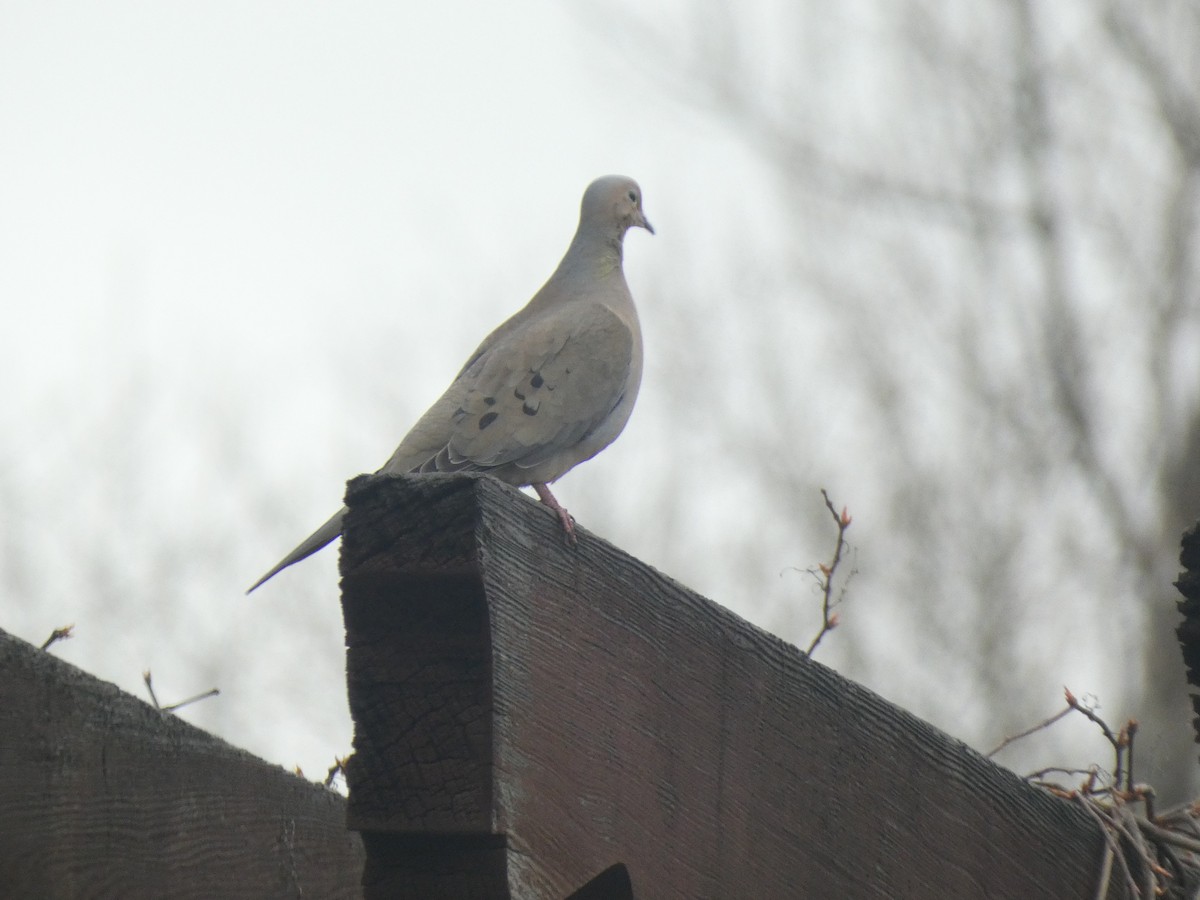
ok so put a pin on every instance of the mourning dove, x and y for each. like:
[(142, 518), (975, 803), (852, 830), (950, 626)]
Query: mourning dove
[(552, 386)]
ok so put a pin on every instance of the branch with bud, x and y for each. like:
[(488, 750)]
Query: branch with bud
[(825, 574)]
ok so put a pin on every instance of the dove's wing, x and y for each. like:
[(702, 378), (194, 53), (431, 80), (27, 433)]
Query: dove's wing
[(529, 398)]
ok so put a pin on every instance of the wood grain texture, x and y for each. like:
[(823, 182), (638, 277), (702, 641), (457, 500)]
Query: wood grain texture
[(101, 795), (585, 710)]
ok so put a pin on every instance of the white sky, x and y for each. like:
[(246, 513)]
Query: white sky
[(213, 217), (244, 245)]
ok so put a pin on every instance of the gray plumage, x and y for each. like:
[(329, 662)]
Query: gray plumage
[(552, 386)]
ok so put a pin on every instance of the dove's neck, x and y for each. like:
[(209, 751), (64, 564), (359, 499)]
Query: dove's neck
[(593, 256)]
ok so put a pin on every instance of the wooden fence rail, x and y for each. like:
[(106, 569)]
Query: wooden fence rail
[(102, 795), (529, 714), (532, 722)]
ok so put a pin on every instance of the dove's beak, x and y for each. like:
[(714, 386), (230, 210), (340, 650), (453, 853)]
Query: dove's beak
[(644, 222)]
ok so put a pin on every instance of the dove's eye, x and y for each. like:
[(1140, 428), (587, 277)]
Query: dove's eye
[(633, 197)]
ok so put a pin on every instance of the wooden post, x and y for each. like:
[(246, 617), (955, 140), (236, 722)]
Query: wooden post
[(529, 715)]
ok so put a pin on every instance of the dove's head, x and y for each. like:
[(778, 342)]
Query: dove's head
[(614, 202)]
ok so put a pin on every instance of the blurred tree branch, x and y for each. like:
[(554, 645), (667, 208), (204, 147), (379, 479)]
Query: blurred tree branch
[(995, 212)]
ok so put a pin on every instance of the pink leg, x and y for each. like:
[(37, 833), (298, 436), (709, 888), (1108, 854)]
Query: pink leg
[(568, 523)]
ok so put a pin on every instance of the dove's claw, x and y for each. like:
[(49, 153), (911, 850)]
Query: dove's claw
[(564, 517)]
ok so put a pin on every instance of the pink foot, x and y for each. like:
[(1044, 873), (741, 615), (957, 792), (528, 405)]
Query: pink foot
[(568, 523)]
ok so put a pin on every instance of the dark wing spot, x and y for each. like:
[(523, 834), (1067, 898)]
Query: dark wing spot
[(487, 419), (517, 393), (490, 401), (529, 410), (537, 380)]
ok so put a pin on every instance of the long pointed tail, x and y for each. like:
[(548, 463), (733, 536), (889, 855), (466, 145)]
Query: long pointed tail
[(308, 546)]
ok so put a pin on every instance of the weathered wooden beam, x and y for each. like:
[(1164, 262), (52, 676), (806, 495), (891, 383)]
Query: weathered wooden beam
[(529, 714), (102, 795)]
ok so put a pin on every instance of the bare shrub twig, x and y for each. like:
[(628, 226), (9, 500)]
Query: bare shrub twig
[(1139, 845), (59, 634), (825, 574), (213, 692)]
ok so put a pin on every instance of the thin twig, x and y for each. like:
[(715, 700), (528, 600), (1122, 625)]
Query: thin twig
[(59, 634), (1058, 770), (1119, 744), (1112, 841), (1108, 800), (211, 692), (1028, 731), (1125, 822), (1086, 710), (338, 767), (1167, 836), (1105, 872), (1148, 796), (150, 688), (829, 619)]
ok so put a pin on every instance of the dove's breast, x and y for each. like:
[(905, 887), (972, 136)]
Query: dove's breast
[(609, 401)]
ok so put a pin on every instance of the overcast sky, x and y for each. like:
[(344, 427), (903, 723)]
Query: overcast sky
[(213, 219), (244, 245)]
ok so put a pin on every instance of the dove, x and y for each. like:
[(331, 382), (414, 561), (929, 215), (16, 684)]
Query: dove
[(549, 388)]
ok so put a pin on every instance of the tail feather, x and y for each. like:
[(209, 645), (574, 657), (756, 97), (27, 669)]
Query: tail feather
[(308, 546)]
